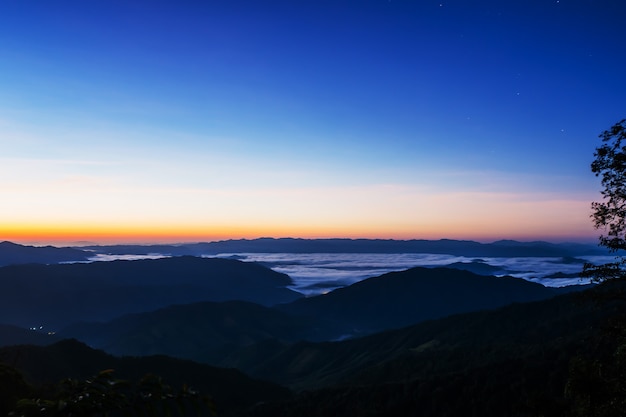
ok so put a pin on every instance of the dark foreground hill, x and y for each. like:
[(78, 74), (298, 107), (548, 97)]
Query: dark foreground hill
[(555, 357), (56, 295), (229, 388), (508, 331), (560, 357)]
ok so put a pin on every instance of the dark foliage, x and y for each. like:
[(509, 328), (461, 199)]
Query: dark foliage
[(597, 380), (12, 388), (104, 395), (610, 213), (597, 383), (45, 366)]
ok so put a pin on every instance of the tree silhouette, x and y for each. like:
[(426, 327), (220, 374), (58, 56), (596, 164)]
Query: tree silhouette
[(610, 213), (12, 388), (596, 385)]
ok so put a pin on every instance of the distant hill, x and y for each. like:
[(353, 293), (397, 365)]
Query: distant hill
[(57, 295), (168, 250), (13, 254), (477, 267), (229, 388), (503, 248), (403, 298)]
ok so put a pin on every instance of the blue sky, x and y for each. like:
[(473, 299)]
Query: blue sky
[(169, 121)]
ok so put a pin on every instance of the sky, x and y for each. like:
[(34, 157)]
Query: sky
[(180, 121)]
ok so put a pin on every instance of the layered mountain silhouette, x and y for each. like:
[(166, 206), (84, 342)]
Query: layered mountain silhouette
[(515, 360), (403, 298), (503, 248), (425, 341), (206, 332), (57, 295), (12, 254), (210, 332), (384, 357)]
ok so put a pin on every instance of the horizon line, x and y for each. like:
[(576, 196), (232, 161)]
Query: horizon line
[(173, 242)]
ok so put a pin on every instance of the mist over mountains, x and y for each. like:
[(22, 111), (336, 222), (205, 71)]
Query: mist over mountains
[(346, 261)]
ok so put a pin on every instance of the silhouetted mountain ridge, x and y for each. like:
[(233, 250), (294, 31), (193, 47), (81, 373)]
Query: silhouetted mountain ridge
[(13, 254), (210, 332), (503, 248), (556, 328), (398, 299), (56, 295), (515, 360)]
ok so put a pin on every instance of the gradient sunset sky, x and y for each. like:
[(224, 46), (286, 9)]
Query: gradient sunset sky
[(175, 121)]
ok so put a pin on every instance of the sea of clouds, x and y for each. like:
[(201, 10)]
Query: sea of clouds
[(319, 273)]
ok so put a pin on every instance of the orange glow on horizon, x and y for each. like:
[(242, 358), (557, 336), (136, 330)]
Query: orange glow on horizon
[(146, 234)]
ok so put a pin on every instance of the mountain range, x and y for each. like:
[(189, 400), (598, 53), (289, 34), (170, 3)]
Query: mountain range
[(403, 298), (12, 253), (525, 359), (427, 341), (522, 359), (209, 331), (54, 296), (502, 248)]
